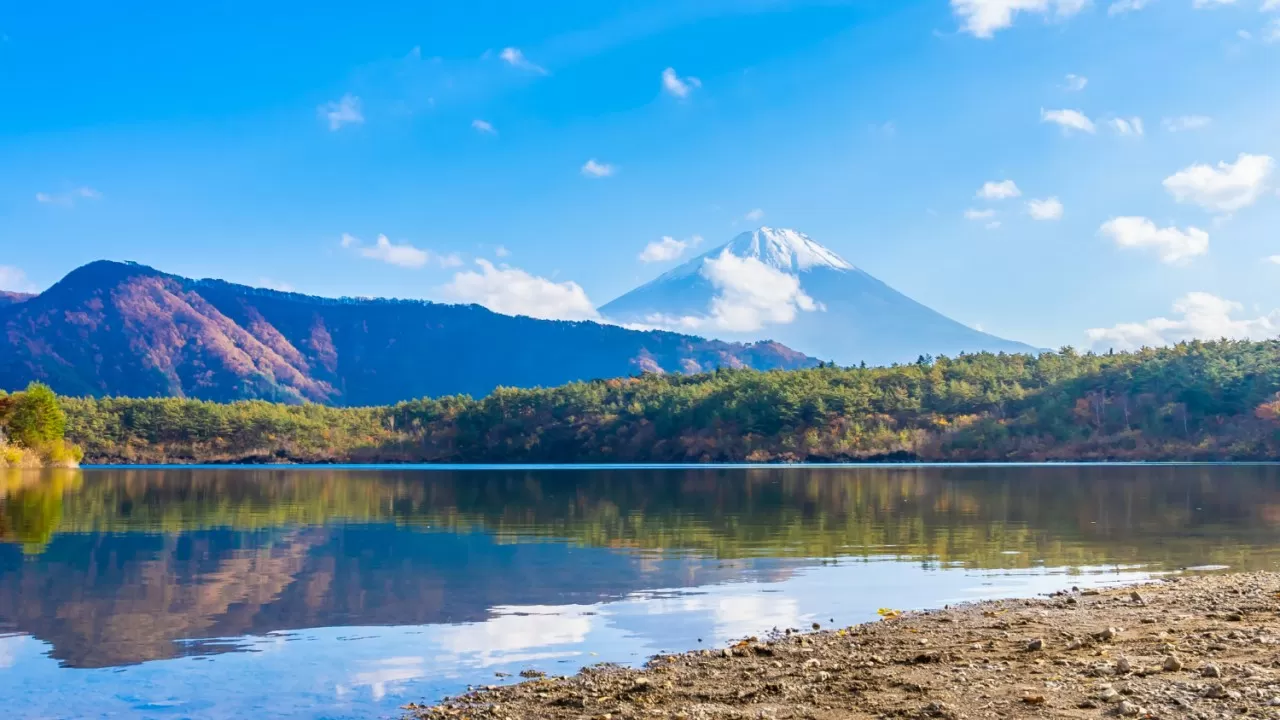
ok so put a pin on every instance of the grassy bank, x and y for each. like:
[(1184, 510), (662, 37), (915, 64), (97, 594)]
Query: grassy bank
[(1194, 401)]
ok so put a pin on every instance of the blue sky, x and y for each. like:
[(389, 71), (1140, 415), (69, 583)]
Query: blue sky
[(527, 154)]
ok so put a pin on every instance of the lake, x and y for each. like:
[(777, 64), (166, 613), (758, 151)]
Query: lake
[(348, 592)]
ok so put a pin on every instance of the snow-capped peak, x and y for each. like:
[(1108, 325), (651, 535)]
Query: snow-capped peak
[(787, 250)]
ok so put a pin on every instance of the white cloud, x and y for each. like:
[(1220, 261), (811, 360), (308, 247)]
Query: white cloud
[(982, 18), (677, 86), (1002, 190), (973, 214), (1225, 188), (1244, 34), (1047, 209), (512, 291), (1202, 4), (14, 280), (1075, 83), (69, 198), (402, 255), (754, 214), (750, 296), (338, 113), (1273, 259), (501, 251), (1203, 316), (1186, 122), (483, 126), (515, 58), (1068, 119), (1128, 126), (1123, 6), (1270, 6), (595, 169), (668, 248), (1172, 244), (1272, 32), (993, 225), (268, 283)]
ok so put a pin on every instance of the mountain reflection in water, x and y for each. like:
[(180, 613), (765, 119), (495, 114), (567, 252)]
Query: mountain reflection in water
[(115, 567)]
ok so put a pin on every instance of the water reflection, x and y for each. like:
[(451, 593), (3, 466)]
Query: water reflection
[(438, 575)]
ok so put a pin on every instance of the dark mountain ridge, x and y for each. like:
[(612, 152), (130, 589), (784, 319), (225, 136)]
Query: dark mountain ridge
[(111, 328)]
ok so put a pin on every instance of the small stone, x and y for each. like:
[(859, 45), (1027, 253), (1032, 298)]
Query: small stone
[(1136, 597), (1107, 635), (1123, 666), (1109, 694), (1036, 644), (1173, 663), (1274, 702), (1128, 709), (1216, 691), (1211, 671), (1075, 645)]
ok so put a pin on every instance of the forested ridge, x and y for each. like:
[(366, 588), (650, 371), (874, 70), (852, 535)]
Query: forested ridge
[(1193, 401)]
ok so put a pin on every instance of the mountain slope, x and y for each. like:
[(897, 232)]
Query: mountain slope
[(841, 313), (124, 329), (8, 297)]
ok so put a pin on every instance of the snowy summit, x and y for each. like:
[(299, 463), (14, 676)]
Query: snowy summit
[(780, 284)]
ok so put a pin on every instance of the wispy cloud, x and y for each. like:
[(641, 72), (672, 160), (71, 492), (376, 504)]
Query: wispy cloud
[(1119, 7), (677, 86), (1069, 120), (1172, 244), (754, 214), (68, 198), (975, 214), (1128, 126), (1002, 190), (515, 58), (1184, 123), (595, 169), (343, 112), (403, 255), (483, 126), (1075, 83), (268, 283)]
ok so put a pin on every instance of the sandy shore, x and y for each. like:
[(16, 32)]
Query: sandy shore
[(1197, 647)]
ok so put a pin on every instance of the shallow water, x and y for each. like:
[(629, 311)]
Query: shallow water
[(341, 592)]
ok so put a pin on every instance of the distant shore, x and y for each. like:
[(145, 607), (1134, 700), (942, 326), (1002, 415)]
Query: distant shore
[(1196, 646)]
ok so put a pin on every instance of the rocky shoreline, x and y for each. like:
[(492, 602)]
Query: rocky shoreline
[(1200, 647)]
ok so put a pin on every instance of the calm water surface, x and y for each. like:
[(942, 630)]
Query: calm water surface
[(346, 593)]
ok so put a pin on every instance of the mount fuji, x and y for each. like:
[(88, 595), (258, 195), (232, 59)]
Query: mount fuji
[(780, 284)]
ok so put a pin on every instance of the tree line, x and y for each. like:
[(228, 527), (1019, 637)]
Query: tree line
[(1192, 401), (33, 428)]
